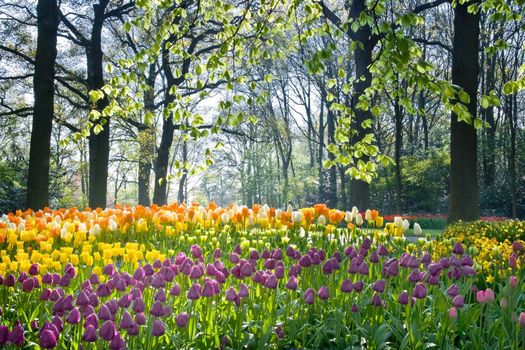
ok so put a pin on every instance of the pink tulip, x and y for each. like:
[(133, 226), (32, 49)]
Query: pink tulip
[(453, 313)]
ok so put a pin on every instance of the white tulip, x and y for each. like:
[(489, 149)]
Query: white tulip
[(355, 211), (368, 215), (406, 225), (290, 208), (94, 230), (297, 217), (417, 230), (359, 220), (112, 225), (321, 220), (398, 221), (225, 218), (348, 216), (63, 233)]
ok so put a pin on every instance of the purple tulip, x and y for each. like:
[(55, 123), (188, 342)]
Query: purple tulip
[(158, 328), (117, 343), (415, 276), (468, 271), (453, 290), (90, 334), (458, 248), (309, 296), (420, 291), (196, 251), (374, 257), (379, 286), (138, 305), (156, 309), (271, 282), (292, 283), (434, 268), (140, 318), (33, 269), (182, 320), (376, 300), (104, 313), (124, 301), (323, 293), (103, 290), (74, 316), (58, 322), (391, 268), (133, 329), (108, 270), (108, 330), (358, 286), (217, 253), (126, 321), (363, 269), (4, 331), (347, 286), (305, 261), (94, 279), (231, 295), (16, 336), (195, 292), (175, 290), (91, 320), (243, 291), (208, 290), (458, 301), (48, 339), (403, 298)]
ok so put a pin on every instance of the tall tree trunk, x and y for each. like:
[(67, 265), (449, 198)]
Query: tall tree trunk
[(332, 172), (513, 123), (98, 143), (464, 198), (147, 142), (320, 172), (360, 190), (398, 116), (43, 85), (183, 180)]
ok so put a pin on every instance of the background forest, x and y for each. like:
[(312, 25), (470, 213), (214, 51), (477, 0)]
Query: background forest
[(268, 139)]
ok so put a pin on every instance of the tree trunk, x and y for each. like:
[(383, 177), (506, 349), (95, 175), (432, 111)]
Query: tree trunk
[(320, 171), (360, 190), (182, 182), (98, 143), (513, 123), (43, 84), (147, 142), (332, 172), (464, 198), (398, 116)]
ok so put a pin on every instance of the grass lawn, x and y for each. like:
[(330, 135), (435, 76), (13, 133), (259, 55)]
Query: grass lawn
[(433, 232)]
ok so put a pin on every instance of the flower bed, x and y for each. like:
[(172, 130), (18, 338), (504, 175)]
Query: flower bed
[(208, 277)]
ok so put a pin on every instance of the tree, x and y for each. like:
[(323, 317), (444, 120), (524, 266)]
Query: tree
[(43, 81), (464, 197)]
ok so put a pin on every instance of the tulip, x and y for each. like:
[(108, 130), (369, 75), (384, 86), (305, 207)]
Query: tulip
[(195, 292), (160, 296), (140, 318), (133, 329), (292, 283), (420, 291), (117, 343), (481, 297), (104, 313), (489, 295), (271, 282), (522, 319), (458, 301), (376, 300), (453, 290), (196, 251), (33, 269), (359, 220), (108, 330), (48, 339), (513, 281), (182, 320), (175, 290), (16, 336), (158, 328), (279, 332), (403, 298), (126, 321), (138, 305), (4, 331), (309, 296), (358, 286), (406, 225), (156, 309), (74, 316), (346, 286), (453, 313), (323, 293), (458, 248), (243, 291), (379, 286), (108, 270), (417, 230)]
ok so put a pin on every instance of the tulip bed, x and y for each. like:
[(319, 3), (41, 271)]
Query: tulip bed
[(207, 277)]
